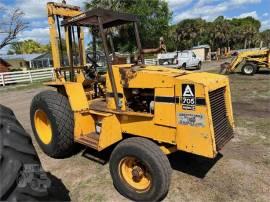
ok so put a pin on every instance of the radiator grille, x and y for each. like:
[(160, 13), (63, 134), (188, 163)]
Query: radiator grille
[(222, 127)]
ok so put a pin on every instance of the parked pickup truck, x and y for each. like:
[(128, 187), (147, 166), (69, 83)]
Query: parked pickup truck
[(185, 59)]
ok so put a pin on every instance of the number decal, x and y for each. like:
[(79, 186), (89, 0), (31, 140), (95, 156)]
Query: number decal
[(188, 97)]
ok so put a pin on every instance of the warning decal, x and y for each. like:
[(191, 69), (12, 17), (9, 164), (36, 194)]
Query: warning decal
[(195, 120), (188, 97)]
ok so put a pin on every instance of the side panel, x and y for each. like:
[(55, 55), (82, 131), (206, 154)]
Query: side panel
[(84, 123), (165, 107), (76, 96), (146, 80), (145, 127), (194, 131), (110, 132)]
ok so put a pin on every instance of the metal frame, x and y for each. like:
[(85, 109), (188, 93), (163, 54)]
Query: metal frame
[(109, 63), (110, 18), (101, 18), (105, 19)]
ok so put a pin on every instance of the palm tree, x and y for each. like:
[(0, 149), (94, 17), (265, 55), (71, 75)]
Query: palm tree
[(190, 32)]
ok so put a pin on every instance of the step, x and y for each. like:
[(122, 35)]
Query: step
[(90, 140)]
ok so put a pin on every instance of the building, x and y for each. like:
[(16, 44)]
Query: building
[(42, 61), (4, 65), (20, 61), (203, 52)]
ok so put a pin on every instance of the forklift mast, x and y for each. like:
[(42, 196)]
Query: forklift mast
[(57, 11)]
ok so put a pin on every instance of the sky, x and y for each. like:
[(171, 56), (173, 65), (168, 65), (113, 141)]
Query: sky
[(35, 13)]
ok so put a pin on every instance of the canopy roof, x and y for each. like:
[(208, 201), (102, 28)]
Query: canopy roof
[(110, 18)]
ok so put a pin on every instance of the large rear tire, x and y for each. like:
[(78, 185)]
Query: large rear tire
[(21, 175), (5, 111), (249, 69), (140, 170), (53, 123)]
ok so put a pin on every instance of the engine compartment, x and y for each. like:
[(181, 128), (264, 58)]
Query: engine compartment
[(140, 99)]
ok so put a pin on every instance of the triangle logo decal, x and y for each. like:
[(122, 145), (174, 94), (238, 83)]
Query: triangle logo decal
[(188, 92)]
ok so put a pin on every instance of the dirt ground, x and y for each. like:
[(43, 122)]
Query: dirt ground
[(241, 172)]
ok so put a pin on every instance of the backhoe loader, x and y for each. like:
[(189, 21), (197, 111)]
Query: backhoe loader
[(251, 60), (143, 112)]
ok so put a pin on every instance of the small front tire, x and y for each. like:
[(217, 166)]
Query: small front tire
[(249, 69), (140, 170)]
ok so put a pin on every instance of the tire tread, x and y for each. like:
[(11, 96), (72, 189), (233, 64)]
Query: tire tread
[(16, 150), (150, 148), (60, 109)]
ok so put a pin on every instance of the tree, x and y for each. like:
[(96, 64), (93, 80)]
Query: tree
[(27, 47), (154, 16), (189, 33), (11, 26), (235, 33), (245, 31), (220, 32), (265, 37), (171, 39)]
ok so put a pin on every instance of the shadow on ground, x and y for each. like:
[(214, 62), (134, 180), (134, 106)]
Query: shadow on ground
[(192, 164), (181, 161), (263, 72), (57, 190), (101, 157)]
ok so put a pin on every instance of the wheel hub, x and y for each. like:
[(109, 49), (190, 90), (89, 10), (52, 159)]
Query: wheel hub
[(135, 174), (248, 69), (43, 126)]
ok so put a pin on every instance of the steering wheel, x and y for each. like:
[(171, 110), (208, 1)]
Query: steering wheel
[(91, 71), (93, 61)]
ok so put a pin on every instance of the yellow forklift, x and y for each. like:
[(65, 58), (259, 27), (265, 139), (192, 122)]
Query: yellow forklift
[(143, 112)]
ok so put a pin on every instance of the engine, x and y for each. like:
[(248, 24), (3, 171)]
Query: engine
[(140, 100)]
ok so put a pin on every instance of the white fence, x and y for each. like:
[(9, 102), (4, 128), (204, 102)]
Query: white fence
[(26, 76), (150, 61)]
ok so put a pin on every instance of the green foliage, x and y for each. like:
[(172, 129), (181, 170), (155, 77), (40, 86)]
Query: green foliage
[(189, 33), (27, 47), (265, 37), (234, 33), (154, 18)]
